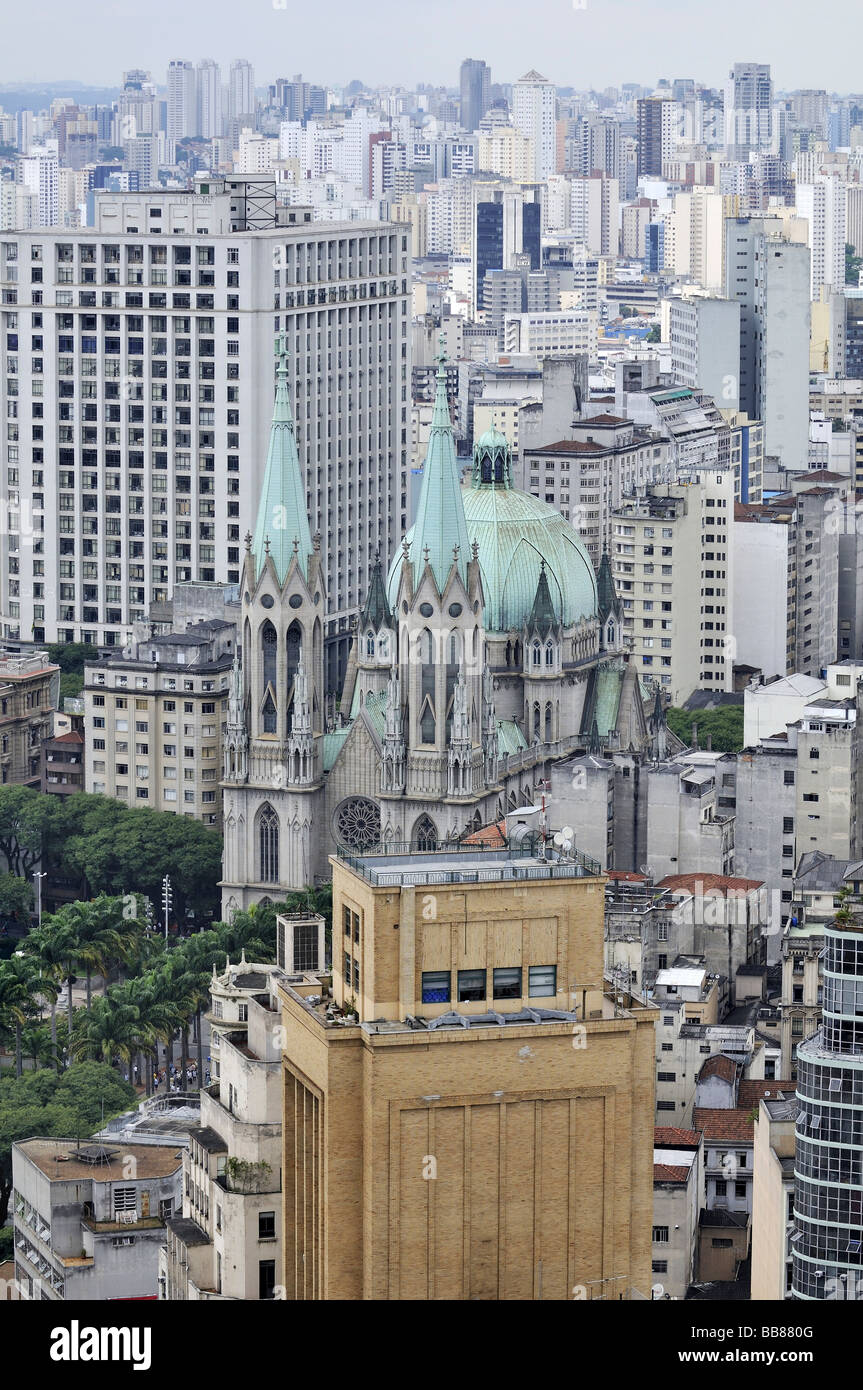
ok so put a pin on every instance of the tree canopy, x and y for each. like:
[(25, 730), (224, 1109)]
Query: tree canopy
[(723, 726)]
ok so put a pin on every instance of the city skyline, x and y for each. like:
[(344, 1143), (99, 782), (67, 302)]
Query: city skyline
[(648, 43)]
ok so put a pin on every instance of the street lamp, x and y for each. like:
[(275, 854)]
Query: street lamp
[(167, 899), (39, 877)]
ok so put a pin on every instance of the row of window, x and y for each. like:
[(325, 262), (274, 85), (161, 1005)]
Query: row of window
[(472, 985)]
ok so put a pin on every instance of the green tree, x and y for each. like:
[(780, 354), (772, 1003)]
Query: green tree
[(853, 262), (18, 981), (16, 896), (29, 821), (655, 335), (109, 1029), (724, 727), (70, 1105), (53, 947)]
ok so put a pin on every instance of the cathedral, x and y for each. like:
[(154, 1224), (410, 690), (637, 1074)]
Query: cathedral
[(488, 650)]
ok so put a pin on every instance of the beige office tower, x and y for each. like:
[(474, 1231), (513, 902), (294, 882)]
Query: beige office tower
[(468, 1111)]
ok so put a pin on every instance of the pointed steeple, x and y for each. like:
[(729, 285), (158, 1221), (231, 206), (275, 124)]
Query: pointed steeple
[(440, 521), (282, 529), (542, 616), (607, 600), (376, 613)]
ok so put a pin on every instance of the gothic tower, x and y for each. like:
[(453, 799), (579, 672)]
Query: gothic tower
[(274, 757)]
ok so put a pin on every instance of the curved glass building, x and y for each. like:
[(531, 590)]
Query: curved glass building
[(828, 1169)]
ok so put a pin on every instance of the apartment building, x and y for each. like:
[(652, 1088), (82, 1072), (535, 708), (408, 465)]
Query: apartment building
[(445, 1137), (704, 334), (672, 562), (588, 475), (773, 1198), (226, 1242), (136, 373), (678, 1186), (29, 695), (89, 1217), (154, 718), (552, 333)]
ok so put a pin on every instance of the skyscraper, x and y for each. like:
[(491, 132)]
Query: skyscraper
[(534, 102), (828, 1163), (209, 100), (242, 88), (748, 109), (654, 134), (475, 92), (182, 100)]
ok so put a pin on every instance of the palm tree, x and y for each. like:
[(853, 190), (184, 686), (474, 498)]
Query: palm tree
[(102, 935), (157, 1018), (18, 983), (52, 948), (37, 1043), (108, 1030)]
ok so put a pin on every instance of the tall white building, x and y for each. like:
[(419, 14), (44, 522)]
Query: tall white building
[(182, 100), (594, 214), (209, 100), (139, 365), (748, 109), (242, 88), (823, 204), (534, 113), (39, 173)]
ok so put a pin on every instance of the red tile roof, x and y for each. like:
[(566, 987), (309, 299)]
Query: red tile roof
[(569, 446), (720, 1066), (71, 737), (668, 1137), (666, 1172), (725, 1124), (604, 419), (625, 876), (488, 835), (751, 1092), (720, 883)]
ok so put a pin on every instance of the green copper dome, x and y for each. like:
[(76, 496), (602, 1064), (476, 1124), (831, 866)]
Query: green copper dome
[(515, 533)]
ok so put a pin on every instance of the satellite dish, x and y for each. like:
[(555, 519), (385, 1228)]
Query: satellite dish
[(658, 1290), (567, 832), (558, 839)]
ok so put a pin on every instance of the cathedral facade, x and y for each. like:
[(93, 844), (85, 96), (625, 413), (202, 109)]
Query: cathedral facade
[(488, 650)]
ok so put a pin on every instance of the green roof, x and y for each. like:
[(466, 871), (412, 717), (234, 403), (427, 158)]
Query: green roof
[(333, 745), (282, 528), (510, 738), (440, 523)]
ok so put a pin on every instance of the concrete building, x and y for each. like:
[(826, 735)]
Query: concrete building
[(760, 591), (560, 333), (129, 482), (410, 1030), (594, 213), (155, 717), (508, 152), (588, 475), (29, 695), (678, 1186), (704, 334), (655, 127), (773, 1199), (475, 90), (823, 204), (534, 113), (675, 581), (226, 1243), (182, 110), (89, 1218), (748, 108), (769, 276)]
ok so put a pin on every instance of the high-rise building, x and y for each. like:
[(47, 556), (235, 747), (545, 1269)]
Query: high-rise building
[(534, 104), (748, 109), (475, 82), (705, 340), (209, 100), (654, 128), (182, 100), (461, 1117), (828, 1162), (507, 226), (241, 88), (38, 172), (150, 362), (823, 204), (598, 146), (770, 278)]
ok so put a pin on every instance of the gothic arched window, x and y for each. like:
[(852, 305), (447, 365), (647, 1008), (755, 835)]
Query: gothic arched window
[(425, 834), (269, 648), (549, 654), (358, 823), (370, 643), (268, 845), (536, 654)]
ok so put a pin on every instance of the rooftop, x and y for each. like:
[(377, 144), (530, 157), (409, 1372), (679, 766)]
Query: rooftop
[(70, 1160), (668, 1136), (399, 866), (666, 1172), (736, 1125)]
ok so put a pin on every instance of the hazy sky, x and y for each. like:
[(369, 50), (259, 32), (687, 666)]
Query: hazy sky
[(578, 43)]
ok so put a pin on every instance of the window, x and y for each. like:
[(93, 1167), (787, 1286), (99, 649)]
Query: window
[(266, 1279), (125, 1198), (266, 1225), (268, 835), (721, 1244), (668, 1020), (471, 986), (507, 983), (666, 1076), (436, 987), (721, 1187), (665, 1105), (659, 1267), (740, 1189), (542, 981), (660, 1235)]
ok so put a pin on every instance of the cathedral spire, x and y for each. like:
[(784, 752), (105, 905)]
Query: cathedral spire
[(440, 521), (376, 613), (282, 530), (543, 616)]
